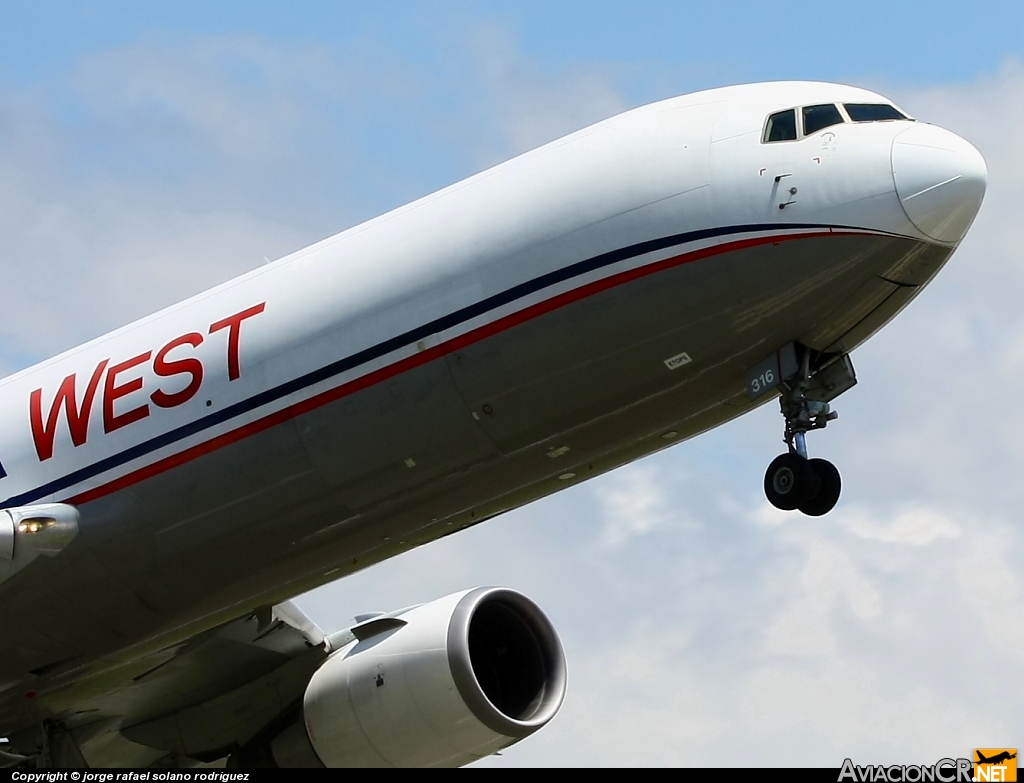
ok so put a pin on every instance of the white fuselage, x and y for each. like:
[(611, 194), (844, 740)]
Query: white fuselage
[(530, 308)]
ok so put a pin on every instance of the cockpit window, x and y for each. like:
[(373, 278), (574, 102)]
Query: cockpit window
[(781, 126), (818, 117), (873, 112)]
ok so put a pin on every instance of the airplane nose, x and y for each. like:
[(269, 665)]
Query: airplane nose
[(940, 180)]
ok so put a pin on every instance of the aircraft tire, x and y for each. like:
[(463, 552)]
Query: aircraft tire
[(830, 484), (789, 482)]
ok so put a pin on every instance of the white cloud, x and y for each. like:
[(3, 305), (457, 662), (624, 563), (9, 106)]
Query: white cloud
[(852, 709), (993, 592), (915, 526), (830, 575), (634, 504)]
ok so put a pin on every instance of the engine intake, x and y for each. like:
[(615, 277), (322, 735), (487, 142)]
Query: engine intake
[(506, 660)]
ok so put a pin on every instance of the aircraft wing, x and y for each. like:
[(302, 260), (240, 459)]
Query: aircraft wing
[(194, 701)]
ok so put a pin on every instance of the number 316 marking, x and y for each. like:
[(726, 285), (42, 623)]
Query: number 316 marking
[(763, 381)]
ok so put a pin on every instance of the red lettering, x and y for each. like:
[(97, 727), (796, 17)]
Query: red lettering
[(166, 369), (112, 392), (78, 418), (234, 325)]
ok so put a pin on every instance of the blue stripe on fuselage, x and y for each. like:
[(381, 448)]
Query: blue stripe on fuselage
[(395, 343)]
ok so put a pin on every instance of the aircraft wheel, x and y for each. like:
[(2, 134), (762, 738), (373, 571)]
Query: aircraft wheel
[(829, 487), (789, 482)]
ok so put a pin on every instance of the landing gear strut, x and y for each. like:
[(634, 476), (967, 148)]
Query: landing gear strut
[(793, 481)]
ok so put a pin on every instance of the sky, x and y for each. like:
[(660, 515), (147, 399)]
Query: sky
[(150, 151)]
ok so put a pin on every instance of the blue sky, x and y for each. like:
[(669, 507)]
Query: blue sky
[(150, 151), (922, 42)]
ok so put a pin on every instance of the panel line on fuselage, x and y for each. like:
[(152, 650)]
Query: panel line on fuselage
[(439, 325)]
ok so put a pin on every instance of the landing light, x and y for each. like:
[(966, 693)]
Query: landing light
[(29, 531), (35, 524)]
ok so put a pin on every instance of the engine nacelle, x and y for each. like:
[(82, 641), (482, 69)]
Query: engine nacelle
[(444, 684)]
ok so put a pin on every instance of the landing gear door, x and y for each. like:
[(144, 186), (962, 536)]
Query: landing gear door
[(767, 374), (832, 380), (827, 376)]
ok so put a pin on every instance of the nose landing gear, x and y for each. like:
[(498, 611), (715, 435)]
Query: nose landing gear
[(793, 481)]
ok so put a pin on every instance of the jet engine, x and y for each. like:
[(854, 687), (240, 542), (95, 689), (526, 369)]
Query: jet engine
[(442, 684)]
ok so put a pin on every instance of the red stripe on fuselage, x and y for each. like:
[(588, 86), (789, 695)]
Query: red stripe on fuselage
[(461, 341)]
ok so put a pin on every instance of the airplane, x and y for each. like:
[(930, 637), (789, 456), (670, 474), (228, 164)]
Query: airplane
[(996, 759), (168, 487)]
